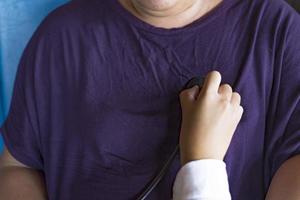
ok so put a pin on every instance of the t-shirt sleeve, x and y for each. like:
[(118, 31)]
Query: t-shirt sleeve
[(20, 130), (283, 136)]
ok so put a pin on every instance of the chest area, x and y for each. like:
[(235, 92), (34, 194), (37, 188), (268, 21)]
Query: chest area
[(127, 106)]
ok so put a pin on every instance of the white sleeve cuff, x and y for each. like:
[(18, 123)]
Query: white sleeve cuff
[(202, 180)]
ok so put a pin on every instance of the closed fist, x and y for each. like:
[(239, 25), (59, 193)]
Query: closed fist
[(210, 116)]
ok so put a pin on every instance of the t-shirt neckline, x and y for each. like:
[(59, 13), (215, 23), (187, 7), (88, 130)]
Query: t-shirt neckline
[(195, 25)]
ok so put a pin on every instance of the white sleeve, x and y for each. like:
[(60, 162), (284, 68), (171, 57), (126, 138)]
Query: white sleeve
[(202, 180)]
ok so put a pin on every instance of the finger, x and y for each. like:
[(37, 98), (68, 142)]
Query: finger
[(212, 82), (240, 112), (225, 91), (236, 98), (190, 94)]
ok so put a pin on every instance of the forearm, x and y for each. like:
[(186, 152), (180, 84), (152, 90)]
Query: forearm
[(21, 183)]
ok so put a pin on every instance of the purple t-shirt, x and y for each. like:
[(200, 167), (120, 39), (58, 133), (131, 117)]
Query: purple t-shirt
[(96, 98)]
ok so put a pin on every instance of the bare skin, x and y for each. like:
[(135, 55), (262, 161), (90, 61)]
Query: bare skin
[(169, 13), (19, 182), (286, 182)]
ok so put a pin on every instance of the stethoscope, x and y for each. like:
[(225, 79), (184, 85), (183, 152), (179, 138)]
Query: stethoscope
[(156, 180)]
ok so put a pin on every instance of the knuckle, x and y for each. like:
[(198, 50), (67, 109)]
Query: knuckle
[(190, 95), (187, 94), (241, 109), (237, 111), (215, 73), (227, 87), (182, 95), (236, 95), (224, 102)]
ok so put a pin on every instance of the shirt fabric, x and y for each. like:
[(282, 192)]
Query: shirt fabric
[(202, 180), (96, 98)]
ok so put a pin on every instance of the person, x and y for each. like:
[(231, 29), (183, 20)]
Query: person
[(95, 110), (210, 116)]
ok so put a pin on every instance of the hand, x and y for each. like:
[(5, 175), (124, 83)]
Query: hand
[(209, 119)]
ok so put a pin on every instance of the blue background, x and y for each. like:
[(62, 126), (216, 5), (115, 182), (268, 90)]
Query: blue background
[(18, 21)]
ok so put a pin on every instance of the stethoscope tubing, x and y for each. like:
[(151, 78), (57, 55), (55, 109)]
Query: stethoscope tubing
[(194, 81)]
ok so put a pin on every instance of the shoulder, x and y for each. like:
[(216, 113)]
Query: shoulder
[(271, 10), (278, 12), (285, 22), (274, 21)]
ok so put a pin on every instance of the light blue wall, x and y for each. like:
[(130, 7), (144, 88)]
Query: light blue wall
[(18, 20)]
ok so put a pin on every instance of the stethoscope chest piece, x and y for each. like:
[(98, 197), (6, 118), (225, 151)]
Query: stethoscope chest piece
[(194, 81)]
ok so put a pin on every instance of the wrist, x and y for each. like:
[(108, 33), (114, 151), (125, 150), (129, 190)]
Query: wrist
[(185, 158)]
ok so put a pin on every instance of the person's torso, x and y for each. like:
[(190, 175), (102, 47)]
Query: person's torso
[(112, 105)]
